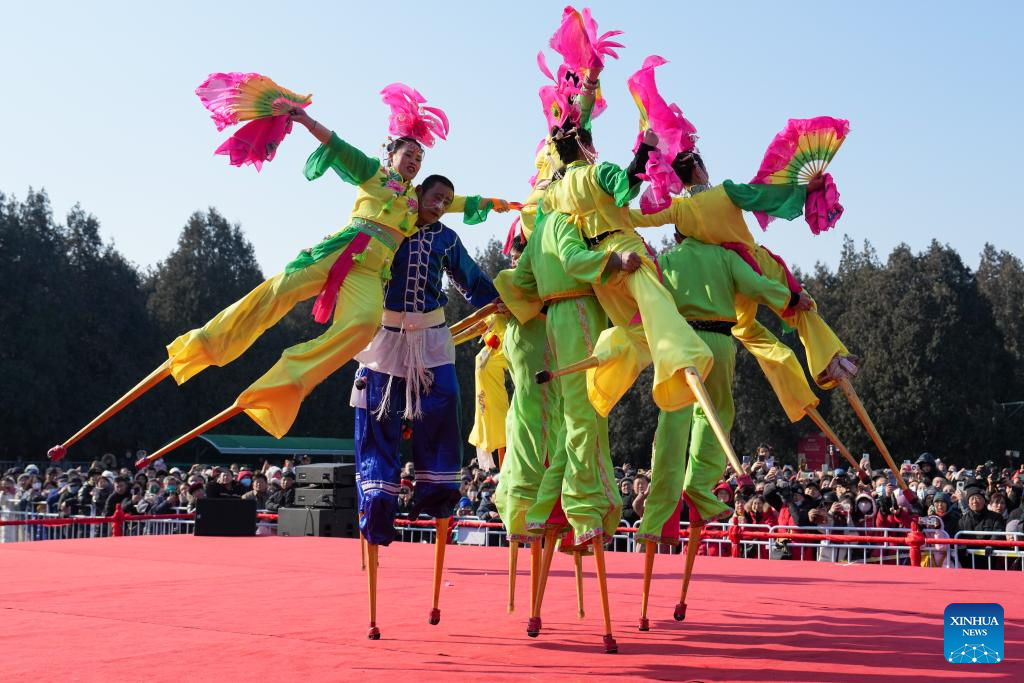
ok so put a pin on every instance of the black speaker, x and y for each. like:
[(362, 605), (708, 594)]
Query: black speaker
[(225, 517), (317, 522), (325, 497), (333, 474)]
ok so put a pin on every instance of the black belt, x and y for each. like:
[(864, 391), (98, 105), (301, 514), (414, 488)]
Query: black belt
[(594, 241), (716, 326)]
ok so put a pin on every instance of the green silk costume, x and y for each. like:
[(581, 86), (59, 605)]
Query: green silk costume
[(594, 199), (715, 216), (534, 436), (583, 479), (704, 281)]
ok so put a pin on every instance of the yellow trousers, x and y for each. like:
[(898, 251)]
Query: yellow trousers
[(778, 362), (662, 337), (229, 333), (491, 400), (273, 400), (820, 342)]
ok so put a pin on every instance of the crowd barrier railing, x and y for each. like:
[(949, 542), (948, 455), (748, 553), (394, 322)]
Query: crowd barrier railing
[(990, 550), (848, 545)]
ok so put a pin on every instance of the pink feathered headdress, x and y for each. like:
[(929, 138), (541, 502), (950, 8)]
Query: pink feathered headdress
[(577, 41), (409, 118)]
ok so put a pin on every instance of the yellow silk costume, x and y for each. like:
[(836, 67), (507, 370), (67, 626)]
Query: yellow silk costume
[(383, 198), (491, 398), (595, 198), (712, 217)]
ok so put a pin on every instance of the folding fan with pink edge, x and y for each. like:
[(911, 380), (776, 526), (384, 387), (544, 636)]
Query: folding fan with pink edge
[(799, 153), (235, 97), (675, 135), (410, 118)]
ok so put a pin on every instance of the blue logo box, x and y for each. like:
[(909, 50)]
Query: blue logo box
[(973, 633)]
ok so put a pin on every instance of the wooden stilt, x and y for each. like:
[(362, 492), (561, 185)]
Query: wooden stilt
[(704, 400), (610, 646), (533, 626), (147, 383), (513, 560), (819, 421), (692, 543), (865, 419), (473, 318), (545, 376), (577, 559), (371, 574), (222, 416), (440, 542), (649, 550), (534, 572)]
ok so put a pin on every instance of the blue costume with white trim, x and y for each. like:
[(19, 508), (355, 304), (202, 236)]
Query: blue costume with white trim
[(409, 370)]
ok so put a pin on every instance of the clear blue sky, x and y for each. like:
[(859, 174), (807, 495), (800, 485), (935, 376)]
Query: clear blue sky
[(100, 107)]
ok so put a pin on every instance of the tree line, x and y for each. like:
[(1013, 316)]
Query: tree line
[(79, 324)]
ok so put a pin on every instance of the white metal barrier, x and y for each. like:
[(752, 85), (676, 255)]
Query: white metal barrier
[(991, 557)]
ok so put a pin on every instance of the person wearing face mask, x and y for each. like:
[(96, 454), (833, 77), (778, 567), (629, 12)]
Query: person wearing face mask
[(244, 482), (260, 491), (943, 508)]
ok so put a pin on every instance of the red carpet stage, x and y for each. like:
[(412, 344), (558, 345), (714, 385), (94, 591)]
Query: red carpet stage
[(180, 608)]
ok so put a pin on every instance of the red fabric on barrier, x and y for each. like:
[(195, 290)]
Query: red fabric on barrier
[(94, 609)]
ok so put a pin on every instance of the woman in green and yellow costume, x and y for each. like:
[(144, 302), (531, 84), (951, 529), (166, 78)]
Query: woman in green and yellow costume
[(595, 199), (715, 215)]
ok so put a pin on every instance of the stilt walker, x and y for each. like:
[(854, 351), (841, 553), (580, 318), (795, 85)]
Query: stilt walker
[(407, 374), (349, 266), (715, 215), (704, 281), (576, 488)]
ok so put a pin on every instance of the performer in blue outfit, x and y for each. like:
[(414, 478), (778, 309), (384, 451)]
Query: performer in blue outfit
[(409, 373)]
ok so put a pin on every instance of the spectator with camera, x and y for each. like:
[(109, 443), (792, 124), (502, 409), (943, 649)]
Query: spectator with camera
[(943, 508)]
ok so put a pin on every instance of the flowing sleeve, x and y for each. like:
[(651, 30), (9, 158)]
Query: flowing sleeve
[(615, 182), (518, 289), (781, 201), (467, 276), (348, 162), (756, 287), (672, 215), (474, 208), (579, 261)]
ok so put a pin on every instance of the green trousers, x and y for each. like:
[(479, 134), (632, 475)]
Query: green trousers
[(533, 433), (688, 430), (589, 497)]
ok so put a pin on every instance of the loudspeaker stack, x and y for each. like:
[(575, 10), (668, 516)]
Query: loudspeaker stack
[(325, 503)]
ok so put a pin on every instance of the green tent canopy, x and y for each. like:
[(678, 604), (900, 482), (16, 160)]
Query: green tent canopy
[(218, 449)]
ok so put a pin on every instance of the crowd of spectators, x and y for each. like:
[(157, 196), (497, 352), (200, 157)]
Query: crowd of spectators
[(945, 498), (97, 489)]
